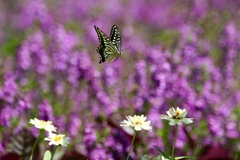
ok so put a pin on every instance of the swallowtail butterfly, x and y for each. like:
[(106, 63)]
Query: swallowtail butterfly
[(110, 47)]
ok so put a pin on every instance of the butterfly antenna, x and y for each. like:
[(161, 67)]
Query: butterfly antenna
[(126, 49)]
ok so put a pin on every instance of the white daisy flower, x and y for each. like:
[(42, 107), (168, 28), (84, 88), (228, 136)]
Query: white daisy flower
[(177, 116), (137, 123), (41, 124), (57, 139)]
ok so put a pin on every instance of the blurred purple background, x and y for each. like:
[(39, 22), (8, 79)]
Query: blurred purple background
[(182, 53)]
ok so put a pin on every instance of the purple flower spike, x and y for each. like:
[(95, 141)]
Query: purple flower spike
[(45, 111)]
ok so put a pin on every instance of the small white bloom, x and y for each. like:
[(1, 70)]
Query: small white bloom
[(137, 123), (177, 116), (41, 124), (57, 139)]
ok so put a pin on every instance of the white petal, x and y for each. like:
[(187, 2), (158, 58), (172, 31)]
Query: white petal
[(129, 118), (51, 143), (65, 141), (187, 120), (168, 113), (183, 113), (165, 117), (137, 128), (47, 139), (172, 123), (143, 118), (147, 123), (172, 111), (147, 127), (179, 109), (179, 122), (52, 135)]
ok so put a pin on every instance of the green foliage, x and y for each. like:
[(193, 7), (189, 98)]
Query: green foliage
[(167, 38), (74, 26), (10, 46), (162, 153), (165, 136)]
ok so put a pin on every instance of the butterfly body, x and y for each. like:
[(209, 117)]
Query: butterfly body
[(110, 47)]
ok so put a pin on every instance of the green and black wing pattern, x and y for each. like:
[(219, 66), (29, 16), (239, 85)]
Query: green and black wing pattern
[(116, 38), (109, 48)]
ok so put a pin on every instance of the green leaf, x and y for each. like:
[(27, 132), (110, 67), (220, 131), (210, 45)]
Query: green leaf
[(182, 157), (47, 155), (145, 157), (10, 46), (164, 154)]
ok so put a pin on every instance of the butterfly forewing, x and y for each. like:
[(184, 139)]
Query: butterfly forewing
[(115, 37)]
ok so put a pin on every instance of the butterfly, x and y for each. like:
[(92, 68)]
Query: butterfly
[(110, 47)]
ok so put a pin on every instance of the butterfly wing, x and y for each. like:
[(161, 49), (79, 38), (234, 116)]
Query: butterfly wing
[(101, 47), (106, 49), (115, 37), (100, 50)]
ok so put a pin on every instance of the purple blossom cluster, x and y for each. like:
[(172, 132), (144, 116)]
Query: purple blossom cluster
[(54, 73)]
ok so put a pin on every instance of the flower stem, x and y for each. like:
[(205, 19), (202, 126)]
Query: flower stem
[(54, 152), (175, 138), (35, 144), (134, 136)]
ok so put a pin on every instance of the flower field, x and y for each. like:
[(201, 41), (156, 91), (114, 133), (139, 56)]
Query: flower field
[(178, 53)]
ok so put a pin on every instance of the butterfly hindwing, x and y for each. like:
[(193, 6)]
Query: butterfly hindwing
[(115, 37), (100, 50), (107, 49)]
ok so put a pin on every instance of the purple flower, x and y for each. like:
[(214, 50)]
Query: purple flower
[(99, 153), (2, 148), (60, 122), (74, 125), (6, 116), (35, 11), (45, 111), (23, 104), (32, 54), (62, 45), (215, 126), (154, 116), (110, 76), (9, 88), (113, 141), (182, 139), (232, 129), (89, 137)]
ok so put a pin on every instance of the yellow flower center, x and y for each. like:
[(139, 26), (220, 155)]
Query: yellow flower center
[(58, 138), (42, 122), (137, 121), (177, 113)]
